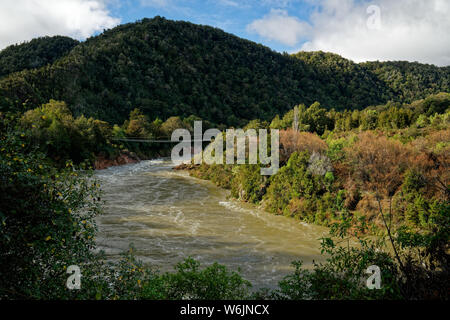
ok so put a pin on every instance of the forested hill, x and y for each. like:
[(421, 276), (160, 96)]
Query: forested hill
[(168, 68), (411, 80), (34, 54)]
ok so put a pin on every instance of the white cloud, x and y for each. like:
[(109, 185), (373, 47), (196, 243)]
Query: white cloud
[(413, 30), (229, 3), (22, 20), (155, 3), (281, 27)]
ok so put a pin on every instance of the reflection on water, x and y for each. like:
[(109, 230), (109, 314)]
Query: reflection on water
[(168, 216)]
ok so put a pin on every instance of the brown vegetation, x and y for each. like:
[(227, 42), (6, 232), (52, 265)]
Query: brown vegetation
[(292, 141)]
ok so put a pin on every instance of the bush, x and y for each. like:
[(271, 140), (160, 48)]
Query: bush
[(378, 164), (291, 181), (292, 141), (47, 220), (248, 184), (214, 282), (342, 276)]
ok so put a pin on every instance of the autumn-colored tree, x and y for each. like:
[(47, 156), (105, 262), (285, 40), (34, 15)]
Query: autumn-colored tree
[(378, 162), (378, 166), (292, 141)]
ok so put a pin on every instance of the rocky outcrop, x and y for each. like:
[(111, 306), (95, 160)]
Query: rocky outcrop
[(125, 157)]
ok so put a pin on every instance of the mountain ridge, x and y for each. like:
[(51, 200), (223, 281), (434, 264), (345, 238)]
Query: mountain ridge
[(168, 68)]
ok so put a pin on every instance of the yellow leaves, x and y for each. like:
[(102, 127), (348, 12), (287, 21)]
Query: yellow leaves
[(70, 210), (48, 238), (139, 282)]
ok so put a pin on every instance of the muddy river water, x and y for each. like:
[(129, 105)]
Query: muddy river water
[(168, 216)]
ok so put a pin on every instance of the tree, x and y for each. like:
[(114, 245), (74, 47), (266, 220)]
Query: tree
[(292, 141), (138, 125), (47, 220), (172, 124)]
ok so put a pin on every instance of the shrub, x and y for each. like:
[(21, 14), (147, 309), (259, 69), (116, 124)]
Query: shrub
[(291, 181), (248, 184), (47, 221), (214, 282), (292, 141), (378, 164)]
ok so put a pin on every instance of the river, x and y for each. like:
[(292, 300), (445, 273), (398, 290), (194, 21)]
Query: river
[(168, 216)]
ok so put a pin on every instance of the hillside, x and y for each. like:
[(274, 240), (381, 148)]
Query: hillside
[(345, 79), (34, 54), (411, 81), (168, 68)]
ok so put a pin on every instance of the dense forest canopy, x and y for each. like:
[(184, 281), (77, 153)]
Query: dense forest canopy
[(34, 54), (173, 68), (411, 81)]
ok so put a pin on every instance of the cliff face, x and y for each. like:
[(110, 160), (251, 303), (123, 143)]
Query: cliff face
[(124, 157)]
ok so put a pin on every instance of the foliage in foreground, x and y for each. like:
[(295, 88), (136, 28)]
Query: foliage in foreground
[(419, 271), (47, 219)]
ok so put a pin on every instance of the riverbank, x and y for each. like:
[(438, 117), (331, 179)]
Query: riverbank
[(124, 157)]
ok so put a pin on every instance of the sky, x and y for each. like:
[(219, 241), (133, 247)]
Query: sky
[(360, 30)]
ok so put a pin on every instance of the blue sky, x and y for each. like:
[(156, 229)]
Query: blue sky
[(230, 15), (360, 30)]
